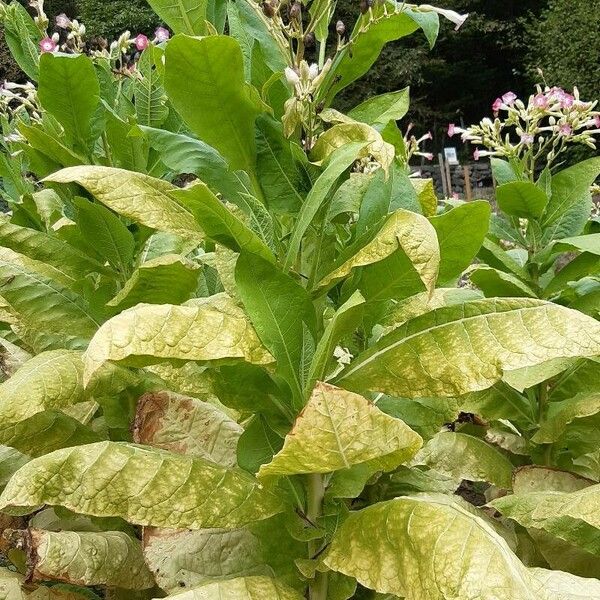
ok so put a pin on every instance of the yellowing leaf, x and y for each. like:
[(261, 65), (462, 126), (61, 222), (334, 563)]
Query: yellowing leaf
[(213, 329), (88, 558), (403, 231), (134, 195), (459, 349), (143, 485), (338, 429)]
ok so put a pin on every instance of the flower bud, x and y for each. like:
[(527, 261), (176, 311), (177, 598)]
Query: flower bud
[(291, 76), (296, 11), (62, 21), (309, 40), (364, 5), (340, 28), (313, 71), (268, 9)]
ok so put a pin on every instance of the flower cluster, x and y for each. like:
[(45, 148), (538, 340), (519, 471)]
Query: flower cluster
[(17, 98), (413, 146), (539, 130)]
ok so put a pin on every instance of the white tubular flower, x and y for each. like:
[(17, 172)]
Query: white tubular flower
[(291, 76), (342, 355), (451, 15)]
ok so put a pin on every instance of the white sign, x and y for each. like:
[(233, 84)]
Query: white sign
[(451, 156)]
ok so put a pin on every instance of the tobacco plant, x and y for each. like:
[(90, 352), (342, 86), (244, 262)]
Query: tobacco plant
[(237, 360)]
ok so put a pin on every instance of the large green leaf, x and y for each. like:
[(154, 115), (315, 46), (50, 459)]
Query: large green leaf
[(69, 91), (168, 279), (405, 232), (142, 485), (187, 426), (11, 460), (570, 204), (282, 313), (219, 223), (570, 516), (50, 314), (212, 329), (458, 349), (88, 558), (243, 588), (134, 195), (581, 243), (151, 109), (47, 248), (521, 199), (463, 456), (460, 233), (216, 103), (383, 108), (338, 429), (430, 547), (182, 16), (496, 283)]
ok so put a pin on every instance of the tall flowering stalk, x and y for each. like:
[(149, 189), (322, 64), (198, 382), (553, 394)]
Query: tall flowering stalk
[(535, 133)]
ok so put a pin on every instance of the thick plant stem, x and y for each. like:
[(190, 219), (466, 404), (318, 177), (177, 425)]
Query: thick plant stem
[(315, 492)]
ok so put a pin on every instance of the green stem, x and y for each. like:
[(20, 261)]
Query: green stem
[(542, 416), (315, 493)]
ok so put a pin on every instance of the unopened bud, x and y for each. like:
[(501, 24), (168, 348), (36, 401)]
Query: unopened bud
[(340, 28), (365, 5), (268, 9), (295, 11), (309, 40)]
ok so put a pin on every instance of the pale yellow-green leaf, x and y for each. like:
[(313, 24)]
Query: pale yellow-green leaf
[(565, 412), (426, 195), (565, 586), (165, 279), (430, 547), (463, 456), (88, 558), (521, 379), (10, 585), (338, 429), (145, 486), (459, 349), (242, 588), (535, 478), (134, 195), (570, 516), (403, 231), (186, 426), (214, 328), (344, 133), (12, 358)]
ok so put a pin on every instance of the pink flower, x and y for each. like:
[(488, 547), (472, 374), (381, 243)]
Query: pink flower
[(451, 130), (62, 21), (48, 45), (428, 155), (497, 105), (567, 100), (455, 196), (476, 154), (597, 121), (565, 129), (161, 34), (509, 98), (527, 138), (141, 42), (540, 101)]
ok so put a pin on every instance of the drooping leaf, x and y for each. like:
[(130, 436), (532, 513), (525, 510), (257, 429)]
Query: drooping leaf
[(69, 90), (521, 199), (212, 329), (338, 429), (459, 349), (168, 279), (243, 588), (581, 243), (216, 103), (402, 546), (134, 195), (147, 487), (88, 558), (187, 426), (463, 456), (279, 309), (460, 233), (219, 223)]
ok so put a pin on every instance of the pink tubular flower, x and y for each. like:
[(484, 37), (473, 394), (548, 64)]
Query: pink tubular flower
[(451, 130), (62, 21), (162, 34), (597, 121), (428, 155), (567, 100), (540, 101), (565, 129), (476, 154), (141, 42), (48, 45), (527, 138), (497, 105), (509, 98)]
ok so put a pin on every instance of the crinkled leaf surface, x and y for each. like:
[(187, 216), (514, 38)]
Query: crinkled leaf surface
[(187, 426), (243, 588), (145, 486), (429, 547), (459, 349), (88, 558), (564, 586), (213, 329), (463, 456), (338, 429), (134, 195)]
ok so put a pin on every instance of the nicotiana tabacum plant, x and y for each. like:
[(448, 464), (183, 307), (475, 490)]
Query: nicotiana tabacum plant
[(236, 360)]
